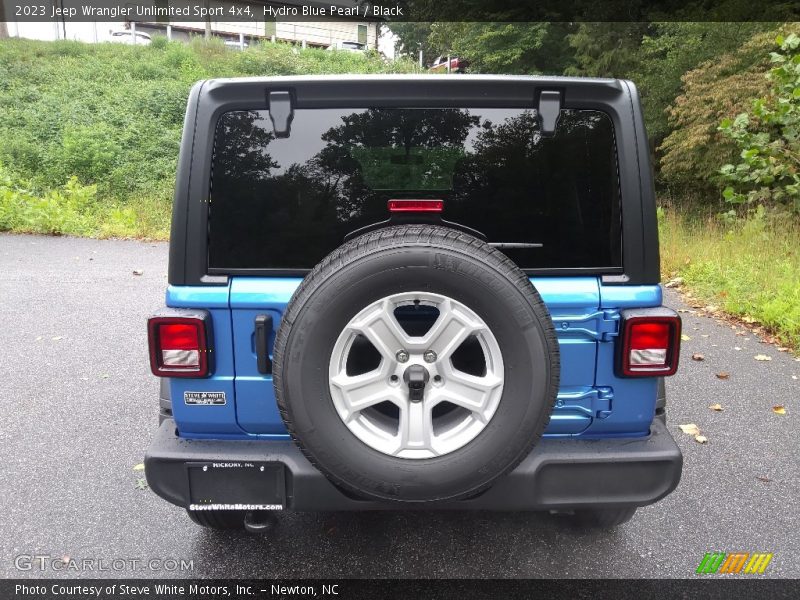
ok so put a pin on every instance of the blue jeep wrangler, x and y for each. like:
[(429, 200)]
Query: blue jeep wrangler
[(413, 292)]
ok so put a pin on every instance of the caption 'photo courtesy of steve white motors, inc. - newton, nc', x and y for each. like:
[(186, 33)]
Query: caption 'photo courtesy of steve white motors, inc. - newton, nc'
[(142, 589)]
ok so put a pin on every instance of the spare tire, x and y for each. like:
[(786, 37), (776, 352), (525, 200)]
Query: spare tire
[(416, 363)]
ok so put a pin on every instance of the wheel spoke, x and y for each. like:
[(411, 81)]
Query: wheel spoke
[(383, 331), (449, 331), (468, 391), (358, 392), (416, 427)]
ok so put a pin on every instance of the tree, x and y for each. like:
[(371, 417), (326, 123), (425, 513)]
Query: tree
[(769, 138), (413, 37), (518, 48), (694, 149), (606, 49), (668, 50)]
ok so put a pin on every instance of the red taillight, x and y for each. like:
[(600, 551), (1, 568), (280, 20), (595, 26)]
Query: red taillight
[(178, 336), (178, 346), (423, 205), (650, 345)]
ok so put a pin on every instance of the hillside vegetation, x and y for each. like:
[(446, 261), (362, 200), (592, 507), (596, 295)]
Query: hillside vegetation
[(89, 133)]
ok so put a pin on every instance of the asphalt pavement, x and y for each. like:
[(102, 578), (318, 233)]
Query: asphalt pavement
[(78, 407)]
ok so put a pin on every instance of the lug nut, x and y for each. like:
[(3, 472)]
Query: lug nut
[(402, 356), (429, 356)]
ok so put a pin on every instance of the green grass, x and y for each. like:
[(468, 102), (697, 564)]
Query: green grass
[(106, 120), (750, 269)]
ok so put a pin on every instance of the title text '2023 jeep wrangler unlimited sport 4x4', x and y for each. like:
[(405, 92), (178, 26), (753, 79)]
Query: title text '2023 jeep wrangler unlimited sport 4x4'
[(413, 292)]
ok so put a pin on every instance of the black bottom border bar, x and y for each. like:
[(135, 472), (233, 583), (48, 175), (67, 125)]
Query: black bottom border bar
[(427, 589)]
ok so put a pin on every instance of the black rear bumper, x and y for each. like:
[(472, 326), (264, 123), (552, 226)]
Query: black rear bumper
[(559, 473)]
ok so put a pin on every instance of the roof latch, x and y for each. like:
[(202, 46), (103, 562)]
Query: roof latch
[(548, 111), (281, 113)]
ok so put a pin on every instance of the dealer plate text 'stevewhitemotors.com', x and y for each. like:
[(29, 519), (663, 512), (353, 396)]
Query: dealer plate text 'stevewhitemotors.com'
[(237, 485)]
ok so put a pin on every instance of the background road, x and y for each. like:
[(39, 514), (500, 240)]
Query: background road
[(78, 407)]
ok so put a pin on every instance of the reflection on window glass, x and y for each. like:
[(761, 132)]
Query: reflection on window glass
[(286, 203)]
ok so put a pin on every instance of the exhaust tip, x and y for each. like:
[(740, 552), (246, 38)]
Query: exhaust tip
[(259, 521)]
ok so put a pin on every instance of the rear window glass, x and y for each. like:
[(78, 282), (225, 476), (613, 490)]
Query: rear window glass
[(284, 203)]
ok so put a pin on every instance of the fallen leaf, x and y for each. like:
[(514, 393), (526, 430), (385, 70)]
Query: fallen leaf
[(697, 356), (58, 337), (723, 375), (779, 409), (701, 439), (741, 333), (794, 376), (138, 272), (748, 319), (141, 484), (764, 479), (685, 337), (704, 335), (139, 467), (717, 407), (684, 310), (104, 376), (690, 429), (782, 349), (712, 308), (38, 338), (736, 348), (762, 357)]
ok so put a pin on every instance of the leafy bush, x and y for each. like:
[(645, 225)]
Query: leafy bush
[(62, 210), (110, 116), (692, 153), (769, 138), (669, 50)]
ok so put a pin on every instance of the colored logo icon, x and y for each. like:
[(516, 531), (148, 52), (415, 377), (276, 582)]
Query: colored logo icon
[(735, 562)]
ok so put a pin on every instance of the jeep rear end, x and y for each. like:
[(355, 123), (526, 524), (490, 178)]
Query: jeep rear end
[(405, 292)]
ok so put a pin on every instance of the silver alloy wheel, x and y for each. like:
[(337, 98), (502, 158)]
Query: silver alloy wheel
[(416, 429)]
